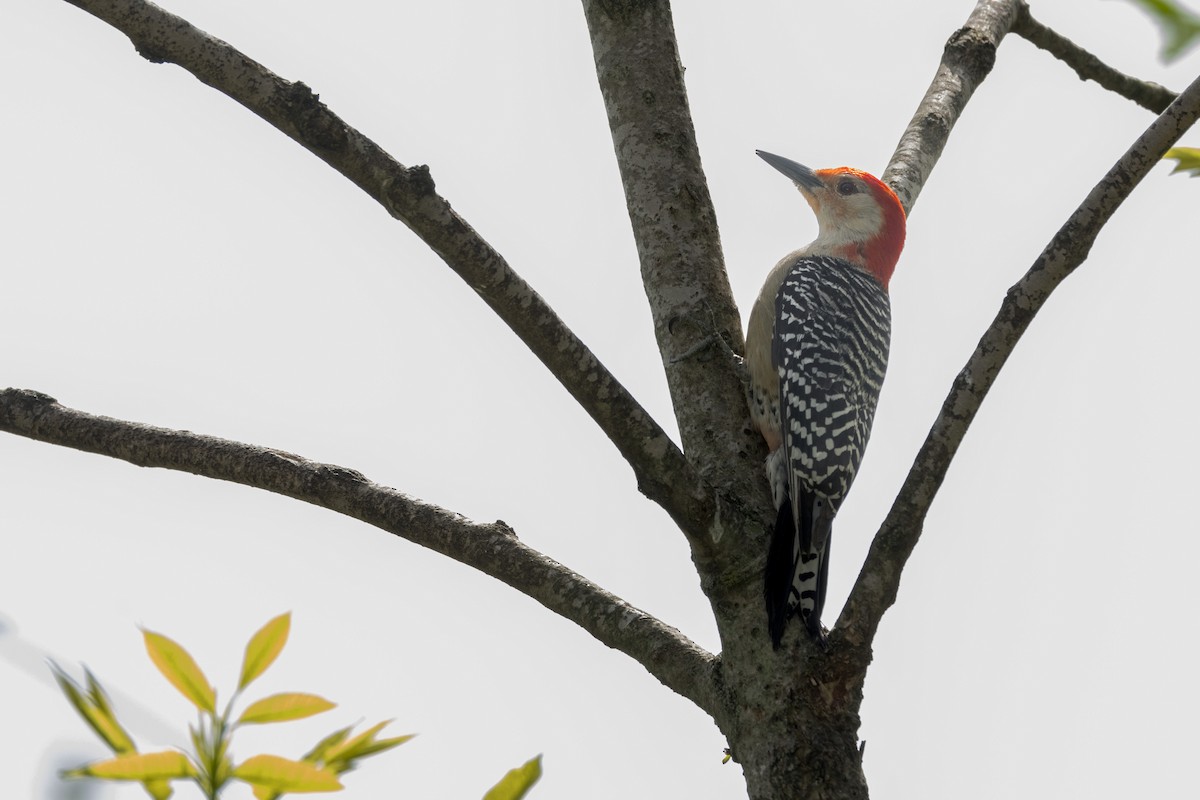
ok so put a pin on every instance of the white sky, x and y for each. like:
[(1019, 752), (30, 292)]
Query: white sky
[(169, 258)]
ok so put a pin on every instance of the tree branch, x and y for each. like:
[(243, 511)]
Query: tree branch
[(877, 584), (968, 58), (1088, 67), (407, 193), (494, 549), (675, 228)]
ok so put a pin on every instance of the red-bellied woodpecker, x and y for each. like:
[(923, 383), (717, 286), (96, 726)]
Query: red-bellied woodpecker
[(816, 351)]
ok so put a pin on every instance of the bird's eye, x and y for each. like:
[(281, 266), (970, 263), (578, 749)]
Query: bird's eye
[(846, 187)]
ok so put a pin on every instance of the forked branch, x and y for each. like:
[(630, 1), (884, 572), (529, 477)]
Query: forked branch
[(408, 194), (675, 228), (879, 579)]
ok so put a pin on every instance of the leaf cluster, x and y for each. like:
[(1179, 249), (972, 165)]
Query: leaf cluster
[(209, 764)]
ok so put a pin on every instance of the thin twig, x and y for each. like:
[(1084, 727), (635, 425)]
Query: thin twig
[(1088, 67), (663, 474), (968, 58), (493, 549), (879, 579)]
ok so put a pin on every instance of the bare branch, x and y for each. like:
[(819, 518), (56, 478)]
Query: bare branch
[(1088, 67), (879, 579), (407, 193), (493, 549), (674, 225), (968, 58)]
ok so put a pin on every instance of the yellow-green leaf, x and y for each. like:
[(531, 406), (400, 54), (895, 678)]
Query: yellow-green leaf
[(95, 710), (284, 707), (1188, 159), (198, 742), (264, 792), (517, 782), (284, 775), (349, 748), (159, 790), (107, 727), (177, 666), (371, 748), (160, 766), (322, 747), (96, 692), (69, 687), (264, 647)]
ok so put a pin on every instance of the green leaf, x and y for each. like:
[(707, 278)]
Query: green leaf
[(95, 710), (517, 782), (264, 793), (224, 768), (284, 707), (353, 748), (322, 747), (159, 790), (199, 744), (96, 692), (1188, 159), (160, 766), (373, 747), (1180, 27), (264, 647), (284, 775), (178, 666), (340, 756)]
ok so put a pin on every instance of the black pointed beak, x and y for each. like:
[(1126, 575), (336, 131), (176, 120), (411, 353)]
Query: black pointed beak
[(802, 175)]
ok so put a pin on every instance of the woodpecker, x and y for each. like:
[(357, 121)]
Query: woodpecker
[(816, 352)]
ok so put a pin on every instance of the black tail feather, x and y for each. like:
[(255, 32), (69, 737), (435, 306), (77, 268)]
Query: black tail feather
[(784, 559), (778, 580)]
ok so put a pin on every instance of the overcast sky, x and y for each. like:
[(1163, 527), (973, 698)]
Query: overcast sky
[(169, 258)]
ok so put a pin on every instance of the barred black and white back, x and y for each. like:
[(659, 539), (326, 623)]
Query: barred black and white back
[(830, 349)]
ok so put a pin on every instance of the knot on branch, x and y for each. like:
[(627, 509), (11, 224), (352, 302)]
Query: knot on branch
[(328, 483), (419, 181), (316, 124), (404, 187), (935, 123), (971, 49), (504, 529), (332, 472), (151, 51), (156, 48)]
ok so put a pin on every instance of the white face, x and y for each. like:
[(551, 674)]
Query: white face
[(847, 211)]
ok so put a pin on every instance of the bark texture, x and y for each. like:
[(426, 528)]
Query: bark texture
[(675, 228)]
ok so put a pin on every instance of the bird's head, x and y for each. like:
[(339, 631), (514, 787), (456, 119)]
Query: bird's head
[(859, 217)]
